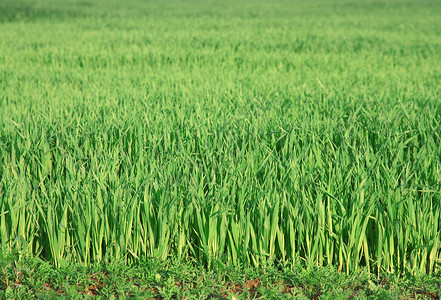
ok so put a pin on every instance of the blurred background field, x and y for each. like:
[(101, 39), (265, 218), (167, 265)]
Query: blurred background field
[(226, 133)]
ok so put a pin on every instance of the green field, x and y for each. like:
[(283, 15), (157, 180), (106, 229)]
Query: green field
[(235, 133)]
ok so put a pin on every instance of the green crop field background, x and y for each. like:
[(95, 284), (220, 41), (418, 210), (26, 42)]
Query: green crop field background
[(235, 132)]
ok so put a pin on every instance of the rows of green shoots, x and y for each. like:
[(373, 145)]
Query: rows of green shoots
[(283, 132)]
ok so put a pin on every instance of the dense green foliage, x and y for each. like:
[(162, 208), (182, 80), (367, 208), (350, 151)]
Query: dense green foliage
[(30, 277), (222, 131)]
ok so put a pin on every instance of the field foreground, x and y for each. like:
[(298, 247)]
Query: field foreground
[(227, 133), (152, 279)]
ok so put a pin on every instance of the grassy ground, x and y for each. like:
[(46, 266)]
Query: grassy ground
[(152, 279), (229, 133)]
